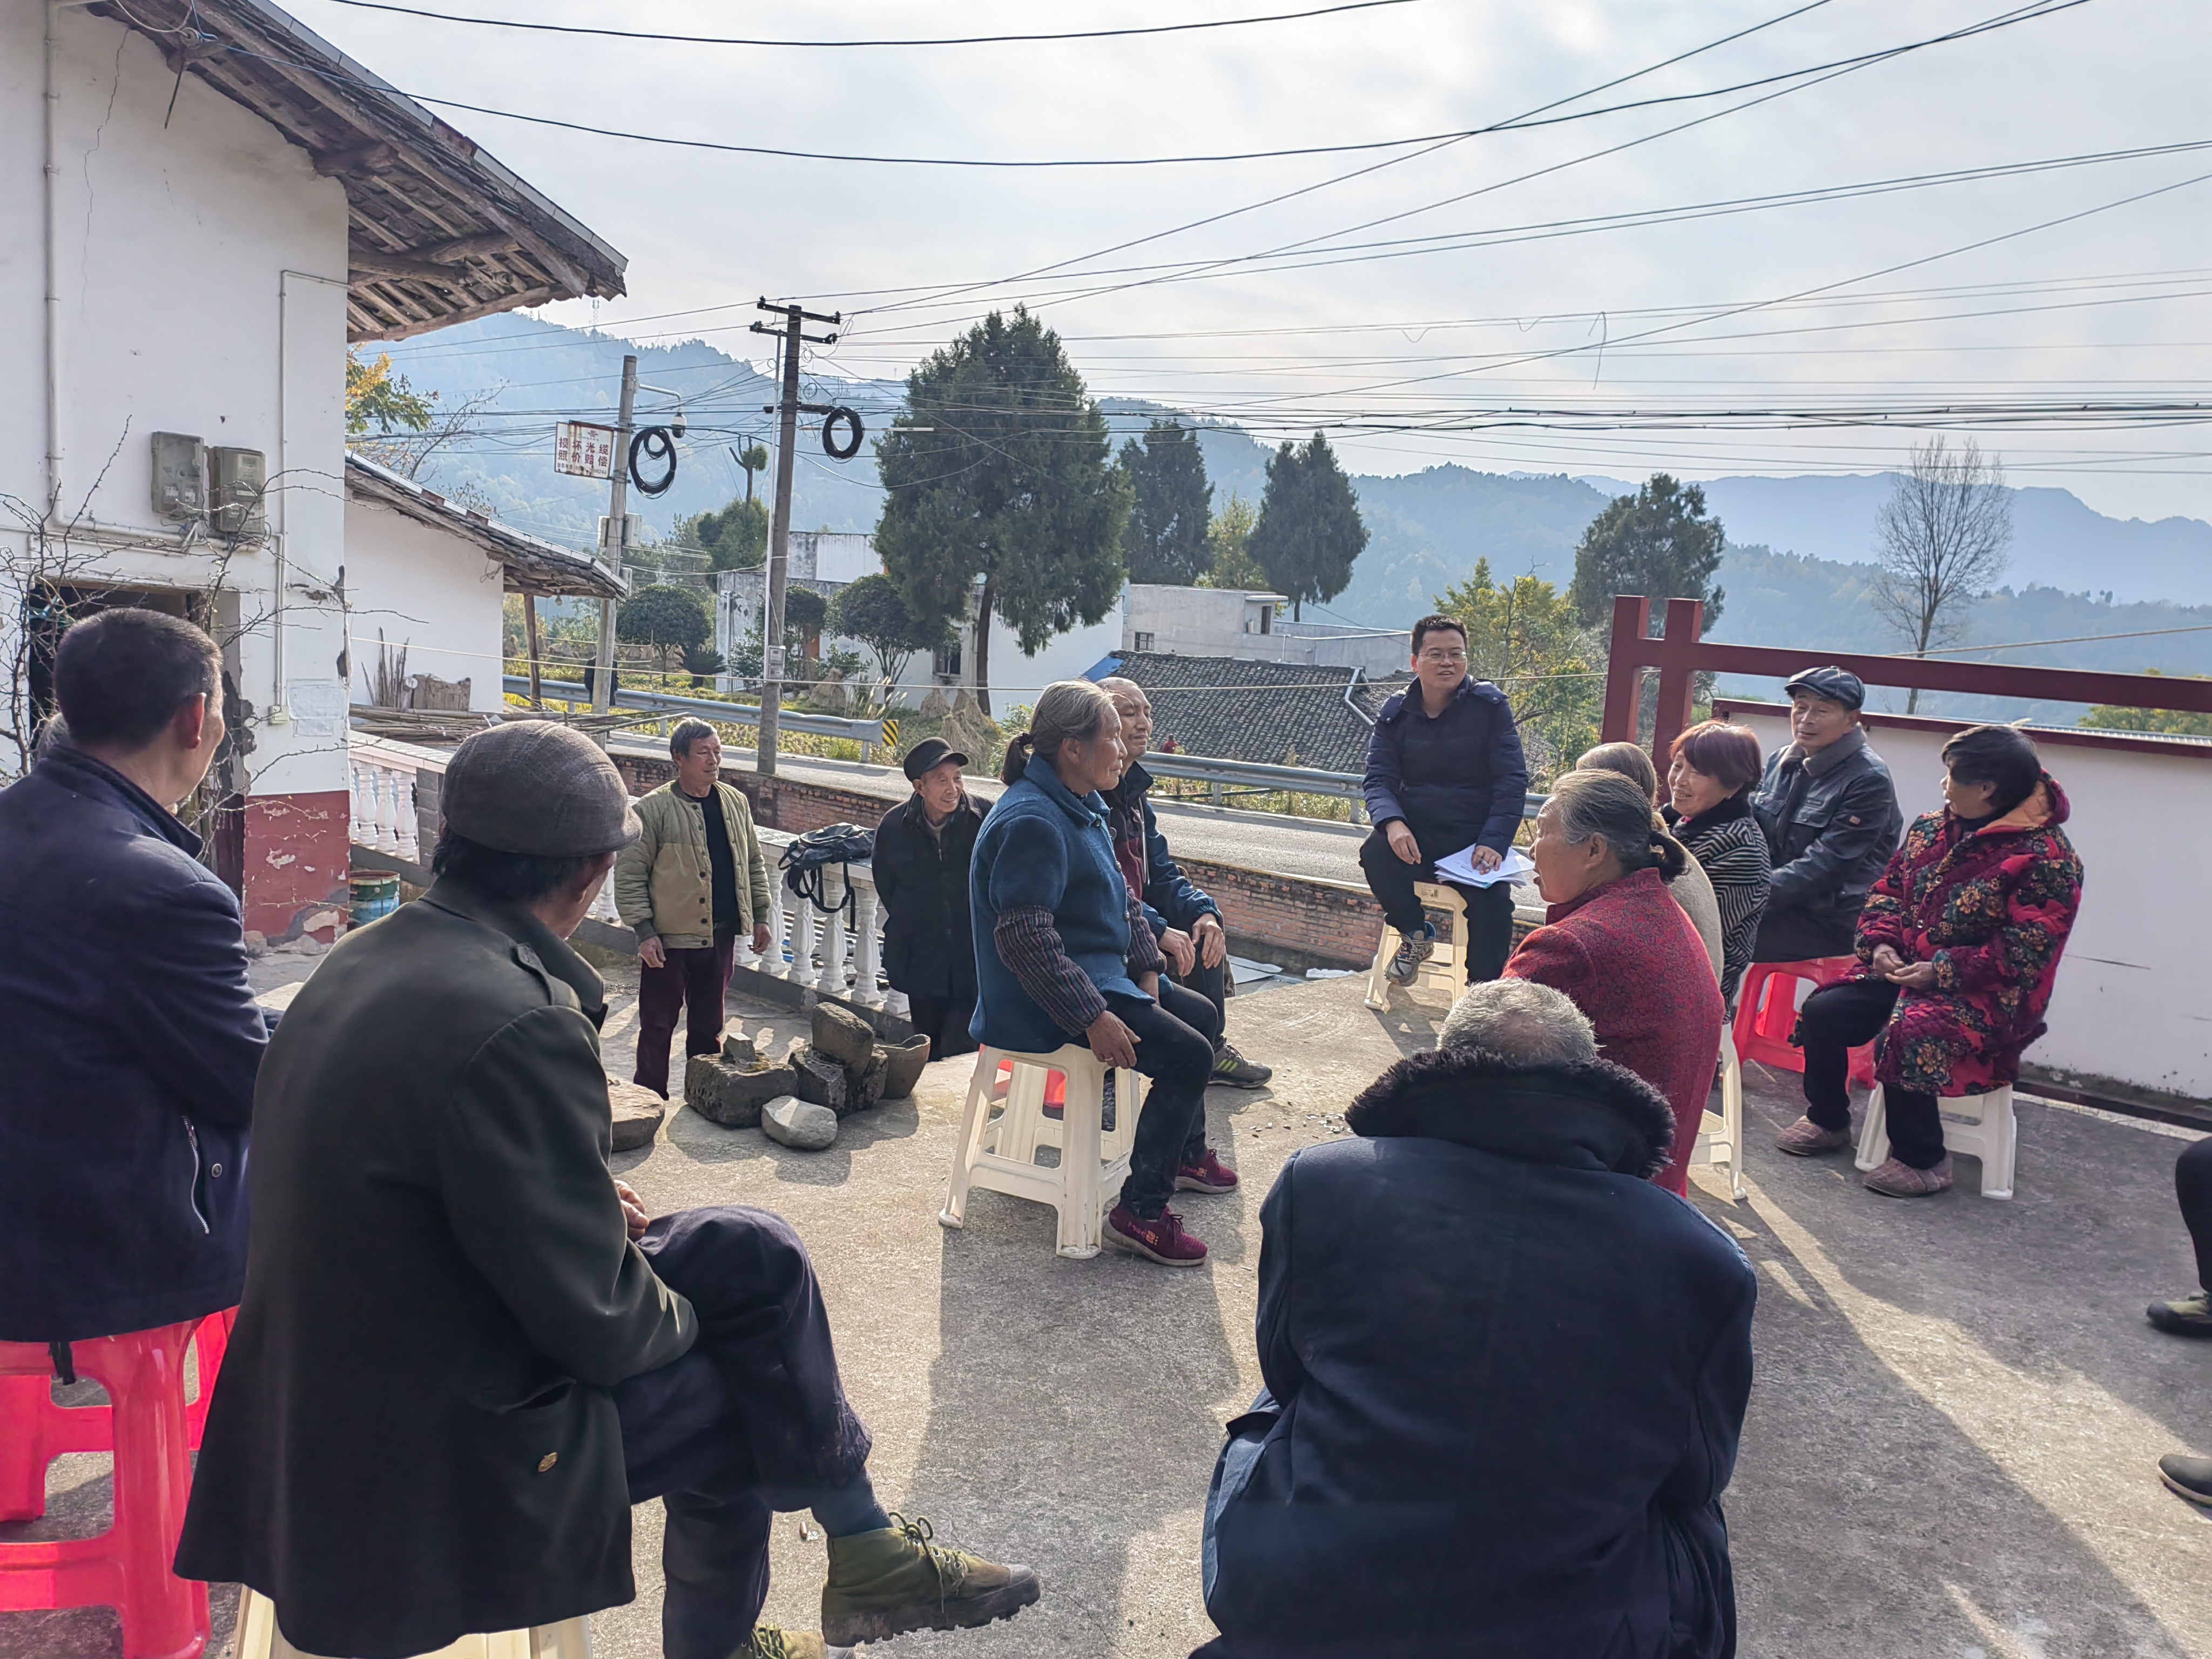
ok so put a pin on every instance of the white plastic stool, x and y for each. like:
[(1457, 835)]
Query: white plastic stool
[(1446, 967), (259, 1638), (998, 1154), (1974, 1126), (1720, 1138)]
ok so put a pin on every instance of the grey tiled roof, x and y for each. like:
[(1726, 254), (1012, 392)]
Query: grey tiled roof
[(1369, 696), (1275, 714)]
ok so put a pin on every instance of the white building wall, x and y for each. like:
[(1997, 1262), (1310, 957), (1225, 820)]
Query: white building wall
[(201, 272), (433, 592), (2128, 1005), (1207, 622)]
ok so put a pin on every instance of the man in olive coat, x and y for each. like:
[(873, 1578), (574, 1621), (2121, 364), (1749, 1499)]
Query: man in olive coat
[(464, 1353)]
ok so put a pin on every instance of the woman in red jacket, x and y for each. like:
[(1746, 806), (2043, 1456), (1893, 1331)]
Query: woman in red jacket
[(1958, 946), (1620, 947)]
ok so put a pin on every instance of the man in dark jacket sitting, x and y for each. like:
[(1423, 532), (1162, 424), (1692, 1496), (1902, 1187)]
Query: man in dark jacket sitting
[(1444, 772), (465, 1352), (1505, 1374), (1830, 813), (133, 1036), (921, 868)]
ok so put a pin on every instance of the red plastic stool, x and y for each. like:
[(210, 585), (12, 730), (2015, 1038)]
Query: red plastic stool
[(37, 1431), (1766, 1013), (127, 1566)]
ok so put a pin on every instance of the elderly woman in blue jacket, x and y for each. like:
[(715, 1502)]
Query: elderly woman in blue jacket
[(1072, 959)]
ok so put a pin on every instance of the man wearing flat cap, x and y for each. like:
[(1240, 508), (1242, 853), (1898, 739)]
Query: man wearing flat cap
[(465, 1352), (921, 865), (1830, 813)]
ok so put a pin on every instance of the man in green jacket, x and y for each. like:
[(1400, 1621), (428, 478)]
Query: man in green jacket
[(465, 1352), (687, 887)]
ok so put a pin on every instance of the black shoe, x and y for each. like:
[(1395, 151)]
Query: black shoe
[(2188, 1315), (2189, 1477)]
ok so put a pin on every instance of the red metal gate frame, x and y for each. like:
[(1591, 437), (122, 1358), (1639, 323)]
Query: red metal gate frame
[(1681, 656)]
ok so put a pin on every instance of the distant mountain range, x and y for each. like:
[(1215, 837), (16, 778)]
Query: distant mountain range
[(1797, 570)]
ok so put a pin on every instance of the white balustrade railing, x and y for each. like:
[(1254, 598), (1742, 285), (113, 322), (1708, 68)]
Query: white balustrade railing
[(823, 952)]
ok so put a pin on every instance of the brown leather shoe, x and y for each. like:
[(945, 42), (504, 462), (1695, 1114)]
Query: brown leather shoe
[(1895, 1179), (1806, 1138)]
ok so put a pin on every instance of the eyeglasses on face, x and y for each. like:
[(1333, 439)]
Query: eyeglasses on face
[(1443, 656)]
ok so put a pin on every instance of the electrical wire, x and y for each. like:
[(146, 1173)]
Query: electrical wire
[(1834, 67), (944, 40)]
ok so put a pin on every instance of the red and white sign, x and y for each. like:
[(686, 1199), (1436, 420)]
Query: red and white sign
[(583, 449)]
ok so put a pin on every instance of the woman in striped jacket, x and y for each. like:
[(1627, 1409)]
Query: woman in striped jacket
[(1710, 776)]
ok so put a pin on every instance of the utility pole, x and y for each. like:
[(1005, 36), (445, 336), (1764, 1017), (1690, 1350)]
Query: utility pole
[(603, 682), (779, 534)]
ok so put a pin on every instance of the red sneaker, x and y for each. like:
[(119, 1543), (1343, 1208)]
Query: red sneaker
[(1162, 1239), (1208, 1174)]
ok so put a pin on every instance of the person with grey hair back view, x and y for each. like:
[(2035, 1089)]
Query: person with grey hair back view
[(1622, 949), (1506, 1372)]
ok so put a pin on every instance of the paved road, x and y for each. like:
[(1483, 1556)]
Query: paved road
[(1266, 842)]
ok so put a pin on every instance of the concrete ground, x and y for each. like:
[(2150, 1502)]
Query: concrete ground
[(1949, 1452)]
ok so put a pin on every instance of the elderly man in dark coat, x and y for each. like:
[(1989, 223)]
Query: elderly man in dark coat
[(132, 1035), (1506, 1373), (1829, 812), (464, 1352), (921, 865)]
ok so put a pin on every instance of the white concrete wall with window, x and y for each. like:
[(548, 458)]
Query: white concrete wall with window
[(1252, 626), (199, 267)]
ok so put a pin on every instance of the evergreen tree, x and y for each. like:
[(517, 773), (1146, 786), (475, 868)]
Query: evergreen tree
[(1310, 530), (1001, 493), (667, 618), (1660, 542), (874, 611), (1524, 636), (735, 539), (1229, 556), (1170, 503)]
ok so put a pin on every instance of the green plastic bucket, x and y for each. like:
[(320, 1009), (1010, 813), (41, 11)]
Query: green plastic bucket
[(375, 894)]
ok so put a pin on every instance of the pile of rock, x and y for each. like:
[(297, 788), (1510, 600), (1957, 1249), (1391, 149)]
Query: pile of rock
[(798, 1099)]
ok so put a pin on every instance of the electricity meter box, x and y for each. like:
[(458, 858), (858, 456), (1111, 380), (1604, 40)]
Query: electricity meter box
[(180, 476), (237, 479)]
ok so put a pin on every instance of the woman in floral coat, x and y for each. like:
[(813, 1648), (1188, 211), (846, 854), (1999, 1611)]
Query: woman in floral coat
[(1957, 947)]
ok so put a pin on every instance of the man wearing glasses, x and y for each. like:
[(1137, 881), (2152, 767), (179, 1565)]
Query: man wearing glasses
[(1444, 771)]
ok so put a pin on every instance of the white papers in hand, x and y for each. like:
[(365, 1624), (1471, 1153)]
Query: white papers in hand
[(1459, 869)]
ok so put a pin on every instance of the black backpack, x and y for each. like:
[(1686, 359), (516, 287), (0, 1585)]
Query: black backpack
[(805, 861)]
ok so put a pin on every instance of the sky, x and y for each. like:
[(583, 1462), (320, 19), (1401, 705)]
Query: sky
[(2026, 288)]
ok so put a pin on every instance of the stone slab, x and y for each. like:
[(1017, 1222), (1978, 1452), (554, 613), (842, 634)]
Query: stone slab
[(637, 1113), (799, 1124)]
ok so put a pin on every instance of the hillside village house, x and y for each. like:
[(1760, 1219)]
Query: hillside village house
[(209, 203)]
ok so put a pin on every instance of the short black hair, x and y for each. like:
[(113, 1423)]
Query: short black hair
[(121, 675), (2002, 756), (1430, 625), (687, 732), (511, 877)]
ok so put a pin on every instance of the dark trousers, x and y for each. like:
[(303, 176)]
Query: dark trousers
[(1174, 1049), (1213, 984), (752, 1420), (2192, 1185), (691, 983), (1794, 935), (1837, 1018), (944, 1021), (1489, 909)]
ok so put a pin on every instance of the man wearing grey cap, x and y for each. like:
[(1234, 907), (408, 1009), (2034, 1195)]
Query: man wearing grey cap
[(1830, 814), (465, 1352)]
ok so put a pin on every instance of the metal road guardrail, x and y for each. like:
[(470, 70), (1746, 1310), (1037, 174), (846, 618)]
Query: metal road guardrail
[(1201, 769), (1302, 780), (729, 713)]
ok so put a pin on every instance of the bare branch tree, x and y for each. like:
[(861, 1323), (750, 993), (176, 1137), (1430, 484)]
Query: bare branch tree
[(1941, 538)]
